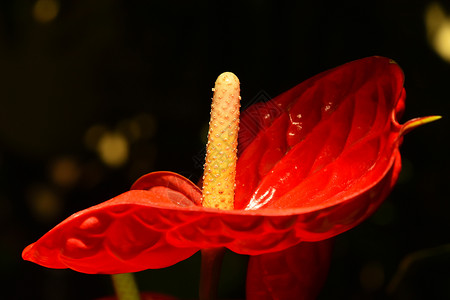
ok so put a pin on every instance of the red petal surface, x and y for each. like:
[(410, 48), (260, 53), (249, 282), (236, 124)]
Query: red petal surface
[(122, 233), (295, 273), (336, 131), (314, 162)]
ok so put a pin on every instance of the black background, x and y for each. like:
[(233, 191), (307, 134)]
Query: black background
[(103, 62)]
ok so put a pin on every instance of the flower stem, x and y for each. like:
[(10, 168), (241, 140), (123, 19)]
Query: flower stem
[(210, 272), (125, 286)]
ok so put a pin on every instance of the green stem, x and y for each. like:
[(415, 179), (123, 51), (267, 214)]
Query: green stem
[(125, 286), (210, 272)]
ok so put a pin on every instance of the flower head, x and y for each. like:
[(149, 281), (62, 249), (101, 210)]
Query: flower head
[(312, 163)]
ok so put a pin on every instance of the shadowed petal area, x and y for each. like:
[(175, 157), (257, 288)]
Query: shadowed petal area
[(295, 273)]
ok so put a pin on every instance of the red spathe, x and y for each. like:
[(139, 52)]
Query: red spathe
[(313, 162)]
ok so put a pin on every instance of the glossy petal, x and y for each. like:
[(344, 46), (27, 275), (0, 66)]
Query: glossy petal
[(122, 233), (332, 130), (295, 273), (313, 162)]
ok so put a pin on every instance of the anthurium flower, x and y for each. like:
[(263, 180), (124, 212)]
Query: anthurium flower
[(313, 162)]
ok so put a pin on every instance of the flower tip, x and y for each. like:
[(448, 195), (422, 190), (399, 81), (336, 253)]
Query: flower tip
[(26, 253), (228, 77), (414, 123)]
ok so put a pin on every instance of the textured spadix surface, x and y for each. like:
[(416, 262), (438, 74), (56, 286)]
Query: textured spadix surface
[(313, 162)]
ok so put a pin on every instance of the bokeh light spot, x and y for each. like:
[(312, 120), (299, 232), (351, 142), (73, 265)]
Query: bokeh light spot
[(113, 149), (437, 24), (45, 11), (442, 40)]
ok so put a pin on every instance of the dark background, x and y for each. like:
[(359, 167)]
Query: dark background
[(141, 73)]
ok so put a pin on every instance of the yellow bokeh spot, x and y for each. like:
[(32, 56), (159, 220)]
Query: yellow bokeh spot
[(113, 149), (45, 11), (437, 24), (442, 41)]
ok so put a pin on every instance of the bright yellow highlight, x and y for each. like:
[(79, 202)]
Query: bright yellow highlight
[(113, 149), (220, 166), (438, 30), (414, 123), (45, 11)]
